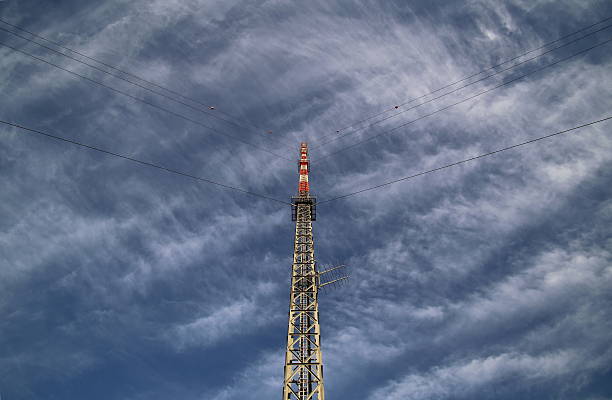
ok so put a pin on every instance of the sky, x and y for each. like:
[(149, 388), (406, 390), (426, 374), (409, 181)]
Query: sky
[(491, 279)]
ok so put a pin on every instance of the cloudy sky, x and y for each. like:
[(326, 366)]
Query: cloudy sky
[(489, 280)]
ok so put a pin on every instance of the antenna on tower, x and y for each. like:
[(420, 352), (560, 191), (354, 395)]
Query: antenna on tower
[(334, 276)]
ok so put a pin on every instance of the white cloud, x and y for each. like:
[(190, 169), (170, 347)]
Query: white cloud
[(466, 377), (224, 322), (424, 254), (258, 380)]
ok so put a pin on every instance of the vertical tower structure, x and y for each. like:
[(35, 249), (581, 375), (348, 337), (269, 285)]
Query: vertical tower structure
[(303, 363)]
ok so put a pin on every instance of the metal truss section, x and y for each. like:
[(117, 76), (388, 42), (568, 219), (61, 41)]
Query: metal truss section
[(310, 200), (303, 364)]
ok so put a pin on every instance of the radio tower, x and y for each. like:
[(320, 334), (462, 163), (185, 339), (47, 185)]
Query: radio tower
[(303, 363)]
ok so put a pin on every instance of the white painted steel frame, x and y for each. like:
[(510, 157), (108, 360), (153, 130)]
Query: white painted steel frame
[(303, 363)]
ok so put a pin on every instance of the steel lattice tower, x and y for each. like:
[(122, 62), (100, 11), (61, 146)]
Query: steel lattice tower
[(303, 363)]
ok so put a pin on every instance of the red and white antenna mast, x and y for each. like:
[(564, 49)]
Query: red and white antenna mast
[(304, 168)]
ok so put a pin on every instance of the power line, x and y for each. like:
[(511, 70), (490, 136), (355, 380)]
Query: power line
[(459, 102), (211, 114), (122, 71), (464, 161), (145, 102), (459, 88), (146, 163), (473, 75)]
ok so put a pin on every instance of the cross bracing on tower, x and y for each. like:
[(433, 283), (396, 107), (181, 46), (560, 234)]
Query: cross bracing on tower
[(303, 378)]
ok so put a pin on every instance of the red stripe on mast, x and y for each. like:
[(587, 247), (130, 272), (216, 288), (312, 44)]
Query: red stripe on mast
[(303, 168)]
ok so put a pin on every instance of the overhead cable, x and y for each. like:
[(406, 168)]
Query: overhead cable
[(156, 92), (337, 137), (115, 68), (141, 162), (462, 161), (182, 116), (460, 102), (471, 76)]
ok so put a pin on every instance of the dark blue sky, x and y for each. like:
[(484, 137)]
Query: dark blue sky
[(490, 280)]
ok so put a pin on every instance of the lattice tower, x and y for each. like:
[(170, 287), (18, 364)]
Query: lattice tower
[(303, 363)]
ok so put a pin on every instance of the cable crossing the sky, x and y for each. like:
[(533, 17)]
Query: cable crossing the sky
[(463, 161), (337, 137), (460, 102), (141, 162), (182, 116), (156, 92), (115, 68), (468, 77)]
